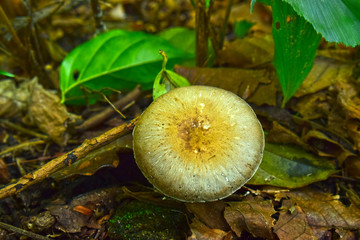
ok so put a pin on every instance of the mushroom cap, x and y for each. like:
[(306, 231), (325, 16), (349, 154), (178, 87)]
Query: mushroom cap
[(198, 143)]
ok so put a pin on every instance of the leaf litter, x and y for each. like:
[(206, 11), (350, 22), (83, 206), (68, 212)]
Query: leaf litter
[(322, 120)]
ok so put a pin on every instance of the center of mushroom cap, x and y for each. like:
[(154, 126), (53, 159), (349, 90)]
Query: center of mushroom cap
[(195, 133)]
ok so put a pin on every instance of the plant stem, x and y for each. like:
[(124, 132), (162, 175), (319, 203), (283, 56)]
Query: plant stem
[(97, 13), (202, 32), (4, 18), (224, 27)]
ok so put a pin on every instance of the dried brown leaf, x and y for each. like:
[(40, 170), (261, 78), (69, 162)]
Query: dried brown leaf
[(323, 74), (13, 100), (210, 213), (258, 86), (322, 209), (322, 144), (346, 234), (280, 134), (251, 215), (105, 156), (313, 106), (4, 172), (248, 52), (199, 231), (98, 203), (293, 225), (48, 114), (349, 101)]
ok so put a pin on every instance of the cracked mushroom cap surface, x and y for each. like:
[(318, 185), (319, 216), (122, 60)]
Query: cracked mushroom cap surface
[(198, 143)]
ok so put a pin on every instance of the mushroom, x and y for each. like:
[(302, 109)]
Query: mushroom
[(198, 143)]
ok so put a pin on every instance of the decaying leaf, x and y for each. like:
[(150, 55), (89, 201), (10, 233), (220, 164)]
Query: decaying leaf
[(320, 211), (200, 231), (40, 222), (4, 172), (293, 225), (46, 112), (251, 215), (280, 134), (210, 213), (249, 52), (257, 86), (105, 156), (13, 100), (349, 101), (99, 203), (42, 106), (325, 72)]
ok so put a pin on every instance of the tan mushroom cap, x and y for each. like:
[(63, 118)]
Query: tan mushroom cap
[(198, 143)]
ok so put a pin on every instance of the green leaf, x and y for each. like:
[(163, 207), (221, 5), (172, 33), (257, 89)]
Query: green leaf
[(207, 3), (7, 74), (291, 167), (337, 20), (118, 59), (242, 27), (252, 3), (296, 43), (167, 80), (182, 38)]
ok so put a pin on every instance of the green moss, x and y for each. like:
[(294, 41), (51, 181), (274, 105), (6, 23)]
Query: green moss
[(139, 220)]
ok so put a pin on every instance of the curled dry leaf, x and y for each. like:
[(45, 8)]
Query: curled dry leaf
[(323, 145), (256, 86), (280, 134), (251, 215)]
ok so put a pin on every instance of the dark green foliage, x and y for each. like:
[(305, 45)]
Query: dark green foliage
[(296, 43)]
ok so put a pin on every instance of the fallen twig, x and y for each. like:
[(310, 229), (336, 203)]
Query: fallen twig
[(109, 111), (23, 145), (23, 130), (67, 159), (22, 231)]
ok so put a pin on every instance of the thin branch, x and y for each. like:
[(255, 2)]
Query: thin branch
[(67, 159), (4, 17), (22, 231), (23, 130), (21, 146), (224, 27), (202, 33), (109, 111), (97, 13)]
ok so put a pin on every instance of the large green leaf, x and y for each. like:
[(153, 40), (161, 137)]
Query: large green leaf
[(296, 43), (181, 37), (117, 59), (337, 20), (291, 167)]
